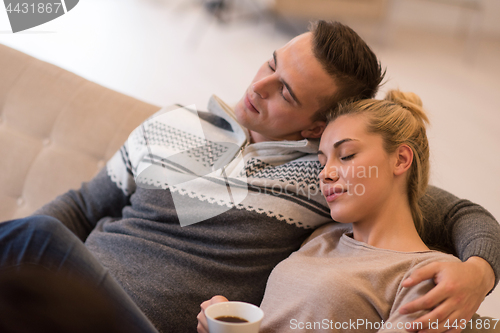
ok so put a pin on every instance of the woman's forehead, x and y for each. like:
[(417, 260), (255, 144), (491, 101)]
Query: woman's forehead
[(347, 126)]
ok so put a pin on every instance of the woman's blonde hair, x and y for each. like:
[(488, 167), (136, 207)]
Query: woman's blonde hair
[(399, 119)]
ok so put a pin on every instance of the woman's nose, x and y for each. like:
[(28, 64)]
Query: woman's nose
[(329, 175)]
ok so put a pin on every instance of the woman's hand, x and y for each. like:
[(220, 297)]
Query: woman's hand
[(202, 320), (460, 289)]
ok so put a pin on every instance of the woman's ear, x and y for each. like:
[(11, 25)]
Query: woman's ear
[(314, 131), (404, 158)]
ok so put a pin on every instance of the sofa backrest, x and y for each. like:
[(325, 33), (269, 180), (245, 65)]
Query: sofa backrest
[(56, 130)]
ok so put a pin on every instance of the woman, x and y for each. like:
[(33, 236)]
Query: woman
[(348, 276)]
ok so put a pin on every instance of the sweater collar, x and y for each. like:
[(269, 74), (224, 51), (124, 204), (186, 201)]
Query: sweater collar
[(221, 109)]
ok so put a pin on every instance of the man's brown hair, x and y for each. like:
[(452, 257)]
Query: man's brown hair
[(347, 58)]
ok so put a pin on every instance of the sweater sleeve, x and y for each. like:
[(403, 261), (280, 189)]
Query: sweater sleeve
[(461, 227), (103, 196), (398, 322)]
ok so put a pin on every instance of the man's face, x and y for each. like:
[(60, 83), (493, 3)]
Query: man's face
[(286, 92)]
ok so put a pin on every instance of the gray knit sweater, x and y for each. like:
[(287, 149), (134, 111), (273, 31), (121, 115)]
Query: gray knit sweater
[(129, 215)]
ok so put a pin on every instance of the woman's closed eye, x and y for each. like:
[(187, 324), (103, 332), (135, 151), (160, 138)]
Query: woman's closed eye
[(347, 158)]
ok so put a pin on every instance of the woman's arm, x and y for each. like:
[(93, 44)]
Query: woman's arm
[(403, 321), (398, 322)]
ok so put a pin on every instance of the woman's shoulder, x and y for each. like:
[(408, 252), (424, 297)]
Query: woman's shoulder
[(333, 229), (434, 255), (421, 259)]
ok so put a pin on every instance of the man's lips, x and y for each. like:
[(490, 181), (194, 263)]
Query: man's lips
[(249, 105), (333, 193)]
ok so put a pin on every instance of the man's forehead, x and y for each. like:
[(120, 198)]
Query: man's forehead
[(300, 39)]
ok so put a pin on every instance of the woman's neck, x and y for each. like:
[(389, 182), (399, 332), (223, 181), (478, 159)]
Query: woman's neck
[(391, 228)]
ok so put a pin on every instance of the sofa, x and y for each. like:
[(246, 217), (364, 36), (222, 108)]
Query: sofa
[(57, 130)]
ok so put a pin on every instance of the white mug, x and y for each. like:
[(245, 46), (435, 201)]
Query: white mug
[(251, 313)]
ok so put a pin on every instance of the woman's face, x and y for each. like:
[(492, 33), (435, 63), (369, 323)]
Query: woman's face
[(358, 174)]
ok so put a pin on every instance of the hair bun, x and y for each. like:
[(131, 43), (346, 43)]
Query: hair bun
[(409, 101)]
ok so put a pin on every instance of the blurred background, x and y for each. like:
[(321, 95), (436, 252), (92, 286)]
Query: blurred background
[(183, 51)]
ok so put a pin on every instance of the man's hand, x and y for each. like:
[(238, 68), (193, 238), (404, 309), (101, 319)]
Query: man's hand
[(202, 320), (460, 289)]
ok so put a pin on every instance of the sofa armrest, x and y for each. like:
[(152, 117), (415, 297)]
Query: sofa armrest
[(57, 130)]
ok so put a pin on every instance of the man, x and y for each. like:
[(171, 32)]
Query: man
[(127, 217)]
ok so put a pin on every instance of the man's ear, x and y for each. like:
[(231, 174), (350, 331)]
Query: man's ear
[(404, 158), (314, 131)]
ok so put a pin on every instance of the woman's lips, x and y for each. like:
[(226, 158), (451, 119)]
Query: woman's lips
[(333, 196), (333, 193), (249, 105)]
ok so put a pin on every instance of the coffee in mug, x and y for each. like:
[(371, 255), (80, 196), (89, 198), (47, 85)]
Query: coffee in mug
[(233, 317)]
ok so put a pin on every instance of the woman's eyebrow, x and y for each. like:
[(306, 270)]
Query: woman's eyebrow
[(284, 82), (338, 143)]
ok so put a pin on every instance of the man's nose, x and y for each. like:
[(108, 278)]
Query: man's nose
[(263, 87)]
